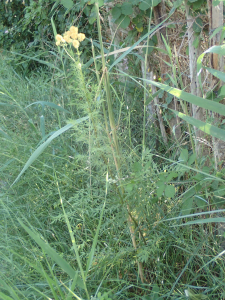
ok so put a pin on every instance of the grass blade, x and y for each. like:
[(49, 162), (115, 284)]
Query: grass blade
[(50, 104), (41, 271), (203, 221), (9, 289), (207, 104), (205, 127), (91, 254), (42, 147), (216, 73), (53, 254), (4, 297)]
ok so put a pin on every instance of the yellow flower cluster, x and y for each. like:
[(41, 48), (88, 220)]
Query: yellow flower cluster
[(71, 36)]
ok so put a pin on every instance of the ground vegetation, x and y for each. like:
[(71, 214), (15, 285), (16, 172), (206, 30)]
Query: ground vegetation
[(112, 176)]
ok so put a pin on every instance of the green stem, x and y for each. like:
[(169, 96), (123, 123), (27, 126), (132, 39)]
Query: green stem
[(145, 72)]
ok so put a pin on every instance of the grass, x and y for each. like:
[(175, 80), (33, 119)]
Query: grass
[(67, 223)]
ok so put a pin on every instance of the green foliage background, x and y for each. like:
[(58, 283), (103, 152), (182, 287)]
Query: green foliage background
[(69, 186)]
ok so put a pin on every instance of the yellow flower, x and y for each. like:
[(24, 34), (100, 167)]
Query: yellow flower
[(74, 35), (76, 44), (81, 37), (74, 29), (68, 39), (58, 43), (67, 33), (58, 38)]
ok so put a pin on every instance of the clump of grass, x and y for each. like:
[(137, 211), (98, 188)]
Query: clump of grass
[(87, 209)]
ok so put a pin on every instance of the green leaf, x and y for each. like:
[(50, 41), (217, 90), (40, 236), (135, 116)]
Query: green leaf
[(184, 155), (129, 187), (206, 127), (171, 176), (5, 297), (160, 190), (67, 3), (53, 254), (136, 167), (91, 19), (151, 97), (170, 191), (214, 49), (53, 27), (177, 3), (150, 47), (192, 159), (197, 4), (200, 202), (155, 2), (222, 91), (203, 221), (216, 2), (126, 9), (100, 2), (207, 104), (50, 104), (92, 252), (116, 12), (196, 42), (198, 25), (124, 21), (187, 206), (10, 290), (190, 192), (146, 4), (42, 126), (216, 73), (217, 30), (41, 148)]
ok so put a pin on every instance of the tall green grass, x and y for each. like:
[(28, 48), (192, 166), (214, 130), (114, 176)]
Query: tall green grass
[(87, 214)]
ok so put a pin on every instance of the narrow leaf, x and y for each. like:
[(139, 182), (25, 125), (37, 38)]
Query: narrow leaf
[(9, 289), (50, 104), (203, 221), (217, 30), (214, 49), (53, 254), (195, 215), (216, 73), (206, 127), (207, 104), (42, 147), (42, 125), (91, 254), (53, 26), (4, 297)]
